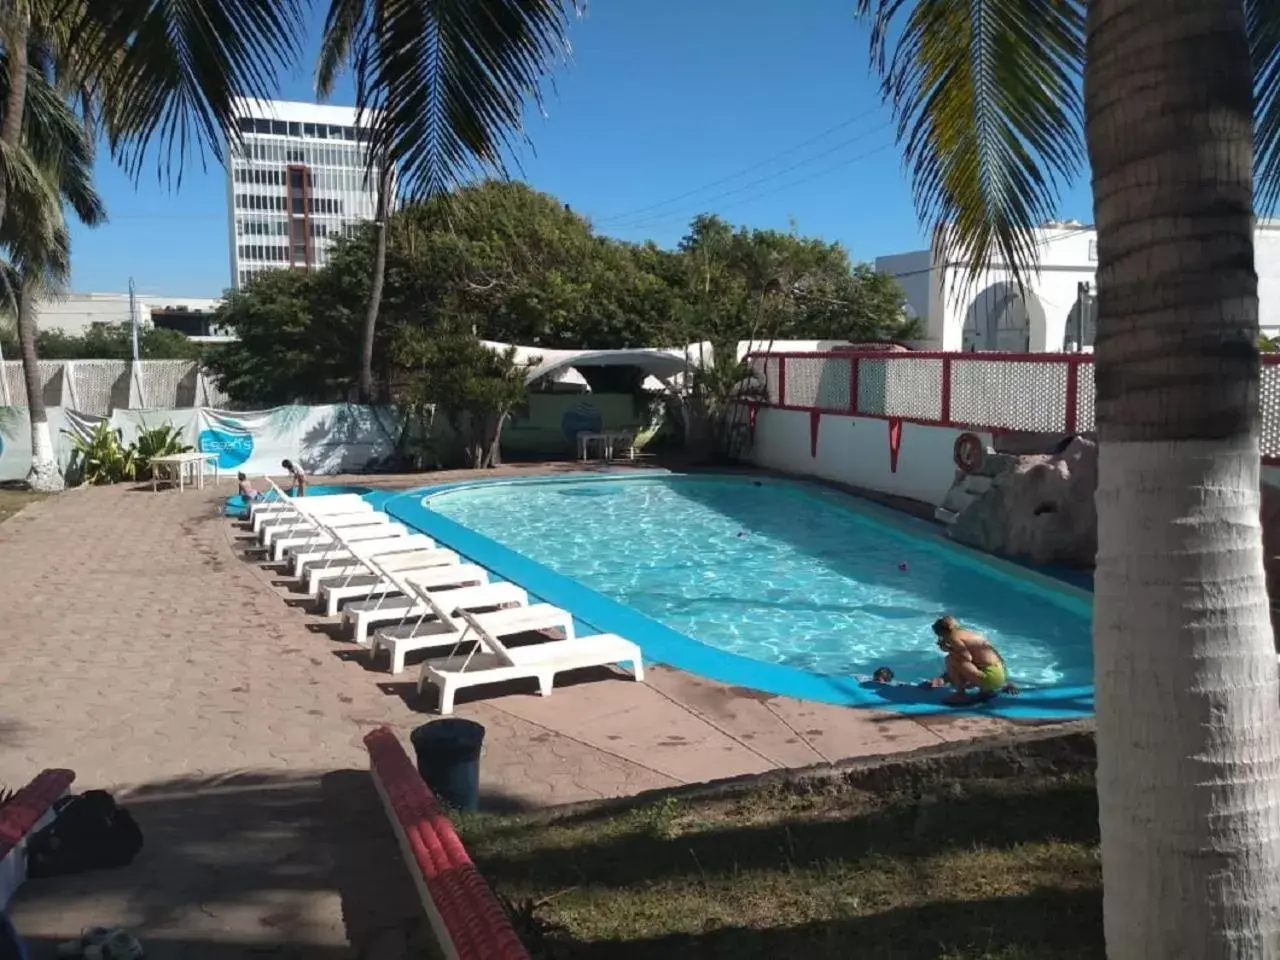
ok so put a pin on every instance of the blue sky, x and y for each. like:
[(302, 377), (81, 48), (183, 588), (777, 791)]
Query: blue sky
[(764, 112)]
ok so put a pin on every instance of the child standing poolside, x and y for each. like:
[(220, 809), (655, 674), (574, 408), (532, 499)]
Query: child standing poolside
[(299, 488)]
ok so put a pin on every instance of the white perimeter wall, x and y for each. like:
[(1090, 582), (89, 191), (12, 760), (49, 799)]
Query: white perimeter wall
[(855, 450)]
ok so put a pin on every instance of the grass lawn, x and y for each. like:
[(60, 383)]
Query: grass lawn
[(1004, 869), (13, 499)]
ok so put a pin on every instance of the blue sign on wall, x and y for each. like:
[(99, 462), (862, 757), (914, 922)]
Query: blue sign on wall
[(232, 447), (582, 417)]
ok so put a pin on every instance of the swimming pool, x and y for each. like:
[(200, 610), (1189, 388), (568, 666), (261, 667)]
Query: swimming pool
[(781, 573)]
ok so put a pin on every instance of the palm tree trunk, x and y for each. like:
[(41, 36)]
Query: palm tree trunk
[(375, 288), (44, 474), (17, 33), (1188, 704)]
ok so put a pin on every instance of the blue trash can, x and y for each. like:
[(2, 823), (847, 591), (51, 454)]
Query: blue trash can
[(448, 753)]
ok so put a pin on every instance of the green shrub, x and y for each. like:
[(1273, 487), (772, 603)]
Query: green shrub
[(162, 441), (103, 457)]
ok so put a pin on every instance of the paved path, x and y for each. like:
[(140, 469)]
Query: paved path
[(145, 653)]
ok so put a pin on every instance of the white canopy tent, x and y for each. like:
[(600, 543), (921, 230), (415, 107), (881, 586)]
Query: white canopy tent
[(664, 366)]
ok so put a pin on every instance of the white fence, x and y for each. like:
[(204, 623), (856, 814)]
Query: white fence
[(100, 387)]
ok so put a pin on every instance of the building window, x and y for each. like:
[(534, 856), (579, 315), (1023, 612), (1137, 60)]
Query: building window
[(245, 124), (295, 129), (279, 128), (261, 126)]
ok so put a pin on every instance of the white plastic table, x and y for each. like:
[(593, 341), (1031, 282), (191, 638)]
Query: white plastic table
[(606, 439), (179, 462)]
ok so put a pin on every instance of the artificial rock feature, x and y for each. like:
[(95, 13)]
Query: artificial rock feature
[(1039, 507)]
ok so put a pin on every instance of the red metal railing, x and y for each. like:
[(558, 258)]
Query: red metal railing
[(1041, 392)]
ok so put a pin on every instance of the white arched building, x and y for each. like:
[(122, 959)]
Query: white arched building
[(1055, 312)]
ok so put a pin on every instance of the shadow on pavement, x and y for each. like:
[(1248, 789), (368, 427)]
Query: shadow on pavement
[(246, 864)]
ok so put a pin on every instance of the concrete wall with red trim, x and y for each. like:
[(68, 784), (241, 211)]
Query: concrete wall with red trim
[(856, 451)]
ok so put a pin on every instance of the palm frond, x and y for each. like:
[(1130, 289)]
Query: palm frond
[(61, 146), (50, 169), (987, 99), (170, 71), (346, 21), (1263, 23), (35, 236), (444, 83)]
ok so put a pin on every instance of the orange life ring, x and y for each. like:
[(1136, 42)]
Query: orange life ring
[(967, 452)]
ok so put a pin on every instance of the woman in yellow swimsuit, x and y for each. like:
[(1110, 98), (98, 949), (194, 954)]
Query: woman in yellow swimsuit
[(972, 663)]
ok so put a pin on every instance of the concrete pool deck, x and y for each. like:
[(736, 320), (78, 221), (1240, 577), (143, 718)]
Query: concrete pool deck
[(146, 654)]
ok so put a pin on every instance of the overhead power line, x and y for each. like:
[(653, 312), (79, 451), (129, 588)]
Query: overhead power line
[(630, 214), (825, 171)]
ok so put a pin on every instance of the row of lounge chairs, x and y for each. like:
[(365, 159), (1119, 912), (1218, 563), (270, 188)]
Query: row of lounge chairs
[(401, 592)]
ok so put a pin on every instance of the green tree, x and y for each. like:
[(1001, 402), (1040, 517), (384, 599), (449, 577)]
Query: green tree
[(988, 99), (748, 284), (109, 341), (475, 387), (476, 63), (292, 347)]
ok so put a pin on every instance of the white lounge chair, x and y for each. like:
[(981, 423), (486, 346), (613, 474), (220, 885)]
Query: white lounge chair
[(378, 526), (306, 562), (373, 578), (444, 581), (491, 661), (283, 503), (300, 526), (319, 567), (291, 508), (444, 628)]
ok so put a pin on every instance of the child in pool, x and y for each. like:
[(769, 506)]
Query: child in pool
[(248, 490)]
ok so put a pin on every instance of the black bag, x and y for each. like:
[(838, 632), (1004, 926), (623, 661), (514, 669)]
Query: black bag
[(88, 832)]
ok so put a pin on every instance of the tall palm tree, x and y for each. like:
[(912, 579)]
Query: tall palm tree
[(139, 72), (49, 170), (443, 85), (988, 99)]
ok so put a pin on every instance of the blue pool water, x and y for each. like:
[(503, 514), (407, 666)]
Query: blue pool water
[(781, 573)]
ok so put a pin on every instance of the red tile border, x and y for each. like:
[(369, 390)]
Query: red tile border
[(476, 926), (19, 815)]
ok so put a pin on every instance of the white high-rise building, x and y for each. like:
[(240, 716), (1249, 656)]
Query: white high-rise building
[(296, 180)]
